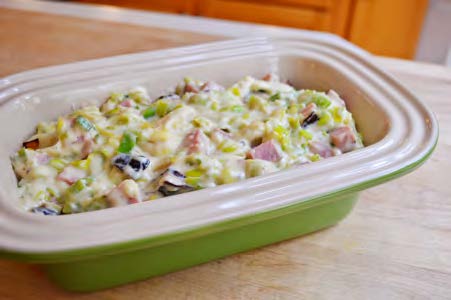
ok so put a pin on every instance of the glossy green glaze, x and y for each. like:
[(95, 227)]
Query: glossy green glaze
[(201, 245)]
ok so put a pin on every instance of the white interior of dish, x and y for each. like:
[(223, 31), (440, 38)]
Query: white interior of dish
[(302, 70), (321, 64)]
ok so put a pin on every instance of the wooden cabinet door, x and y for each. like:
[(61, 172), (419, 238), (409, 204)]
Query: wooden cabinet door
[(383, 27), (388, 27), (324, 15)]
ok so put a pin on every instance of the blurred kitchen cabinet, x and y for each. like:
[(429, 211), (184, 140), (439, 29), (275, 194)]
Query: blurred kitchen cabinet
[(388, 27), (383, 27), (326, 15)]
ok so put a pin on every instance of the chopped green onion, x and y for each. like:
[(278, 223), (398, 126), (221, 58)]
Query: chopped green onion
[(60, 125), (113, 111), (293, 109), (194, 173), (321, 101), (77, 187), (257, 103), (80, 185), (57, 163), (192, 181), (225, 176), (22, 152), (136, 96), (162, 108), (275, 97), (315, 157), (106, 152), (237, 108), (81, 164), (337, 113), (294, 122), (229, 149), (201, 122), (122, 120), (128, 141), (84, 123), (193, 160), (305, 134), (51, 192), (283, 136), (324, 119), (41, 196), (280, 130), (198, 99), (214, 106), (116, 97), (67, 209), (228, 146), (149, 113), (236, 91)]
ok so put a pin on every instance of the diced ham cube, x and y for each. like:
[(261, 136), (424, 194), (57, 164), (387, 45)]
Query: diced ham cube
[(306, 111), (86, 148), (133, 200), (266, 151), (197, 141), (127, 103), (127, 192), (321, 149), (270, 77), (85, 145), (33, 144), (71, 174), (211, 86), (191, 88), (343, 138)]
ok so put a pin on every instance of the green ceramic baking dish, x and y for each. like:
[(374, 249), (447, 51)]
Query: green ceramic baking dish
[(100, 249)]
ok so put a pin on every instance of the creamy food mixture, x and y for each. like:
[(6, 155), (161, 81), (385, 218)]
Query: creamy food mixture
[(134, 148)]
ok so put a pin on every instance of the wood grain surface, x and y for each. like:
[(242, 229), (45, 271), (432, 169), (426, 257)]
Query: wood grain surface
[(396, 244), (31, 40)]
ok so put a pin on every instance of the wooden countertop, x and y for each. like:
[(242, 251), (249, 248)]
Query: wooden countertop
[(395, 244)]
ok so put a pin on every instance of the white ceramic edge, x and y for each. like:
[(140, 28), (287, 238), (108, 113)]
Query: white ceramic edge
[(405, 143)]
